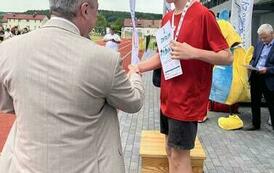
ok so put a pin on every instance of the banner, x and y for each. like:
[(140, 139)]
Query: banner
[(241, 19), (135, 38), (166, 7)]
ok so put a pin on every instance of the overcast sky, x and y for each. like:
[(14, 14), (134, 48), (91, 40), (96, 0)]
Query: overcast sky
[(151, 6)]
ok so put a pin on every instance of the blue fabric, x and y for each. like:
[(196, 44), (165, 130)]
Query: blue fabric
[(264, 54), (224, 15), (221, 83)]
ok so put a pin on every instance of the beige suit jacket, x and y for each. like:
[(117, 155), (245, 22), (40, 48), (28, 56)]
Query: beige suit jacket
[(65, 91)]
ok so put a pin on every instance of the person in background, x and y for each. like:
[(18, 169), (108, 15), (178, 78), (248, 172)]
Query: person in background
[(198, 44), (65, 91), (8, 34), (112, 40), (262, 81), (25, 30), (2, 33), (15, 31)]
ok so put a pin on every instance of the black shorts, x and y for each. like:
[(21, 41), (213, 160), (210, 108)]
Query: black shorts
[(181, 134)]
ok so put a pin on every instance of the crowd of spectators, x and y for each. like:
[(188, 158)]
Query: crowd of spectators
[(11, 32)]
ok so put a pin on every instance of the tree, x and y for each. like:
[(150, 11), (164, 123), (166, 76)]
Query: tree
[(117, 25), (101, 24)]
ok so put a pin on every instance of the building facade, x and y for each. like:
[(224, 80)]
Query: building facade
[(143, 27), (263, 12), (22, 21)]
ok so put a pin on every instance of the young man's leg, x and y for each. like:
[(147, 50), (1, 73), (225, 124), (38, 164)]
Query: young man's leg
[(168, 151), (180, 161), (180, 140)]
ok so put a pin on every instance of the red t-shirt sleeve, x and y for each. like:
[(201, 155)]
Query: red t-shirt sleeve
[(216, 40)]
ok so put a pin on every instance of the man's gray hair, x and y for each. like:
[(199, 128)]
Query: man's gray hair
[(265, 28), (66, 8)]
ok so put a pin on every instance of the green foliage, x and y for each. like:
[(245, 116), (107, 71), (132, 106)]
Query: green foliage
[(112, 16), (101, 21), (1, 16), (116, 25), (42, 12), (101, 24)]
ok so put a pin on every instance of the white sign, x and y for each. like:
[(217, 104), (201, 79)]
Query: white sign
[(241, 19), (171, 68), (135, 38)]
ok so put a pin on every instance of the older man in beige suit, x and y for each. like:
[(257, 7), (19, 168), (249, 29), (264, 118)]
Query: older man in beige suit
[(65, 91)]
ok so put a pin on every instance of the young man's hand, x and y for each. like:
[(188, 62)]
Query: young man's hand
[(182, 50)]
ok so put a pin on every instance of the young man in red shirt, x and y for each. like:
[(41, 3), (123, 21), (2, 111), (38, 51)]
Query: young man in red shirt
[(198, 44)]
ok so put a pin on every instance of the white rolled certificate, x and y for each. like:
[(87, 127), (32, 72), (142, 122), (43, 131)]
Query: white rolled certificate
[(250, 67)]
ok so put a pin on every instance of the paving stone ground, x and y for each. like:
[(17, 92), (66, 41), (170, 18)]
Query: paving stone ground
[(236, 151)]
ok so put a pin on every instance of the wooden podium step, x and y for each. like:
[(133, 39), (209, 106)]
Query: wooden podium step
[(154, 158)]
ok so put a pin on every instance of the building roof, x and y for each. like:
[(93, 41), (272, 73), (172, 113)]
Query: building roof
[(142, 23), (20, 16)]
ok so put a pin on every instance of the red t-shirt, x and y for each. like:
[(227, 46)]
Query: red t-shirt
[(185, 97)]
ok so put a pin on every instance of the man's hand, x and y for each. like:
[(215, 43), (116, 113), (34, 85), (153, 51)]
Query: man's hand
[(182, 50), (133, 69), (262, 70)]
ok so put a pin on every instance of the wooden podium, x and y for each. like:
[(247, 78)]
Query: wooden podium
[(154, 158)]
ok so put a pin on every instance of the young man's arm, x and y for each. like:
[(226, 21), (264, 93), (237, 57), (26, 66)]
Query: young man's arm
[(186, 51), (151, 63)]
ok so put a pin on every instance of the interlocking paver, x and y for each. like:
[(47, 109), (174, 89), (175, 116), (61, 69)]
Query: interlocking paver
[(227, 151)]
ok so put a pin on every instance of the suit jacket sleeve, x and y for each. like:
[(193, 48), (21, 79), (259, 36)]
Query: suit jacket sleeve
[(270, 64), (126, 94), (270, 70), (254, 55)]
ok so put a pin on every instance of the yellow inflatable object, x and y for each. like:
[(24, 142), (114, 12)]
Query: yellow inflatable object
[(232, 122), (229, 33), (240, 89)]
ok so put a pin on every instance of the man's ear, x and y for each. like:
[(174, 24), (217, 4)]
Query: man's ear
[(84, 9)]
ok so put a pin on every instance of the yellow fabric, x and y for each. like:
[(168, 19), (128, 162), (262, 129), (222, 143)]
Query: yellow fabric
[(240, 89), (249, 54), (141, 44), (232, 122), (229, 33), (243, 76)]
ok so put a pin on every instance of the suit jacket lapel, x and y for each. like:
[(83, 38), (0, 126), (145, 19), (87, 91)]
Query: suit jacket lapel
[(258, 53)]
